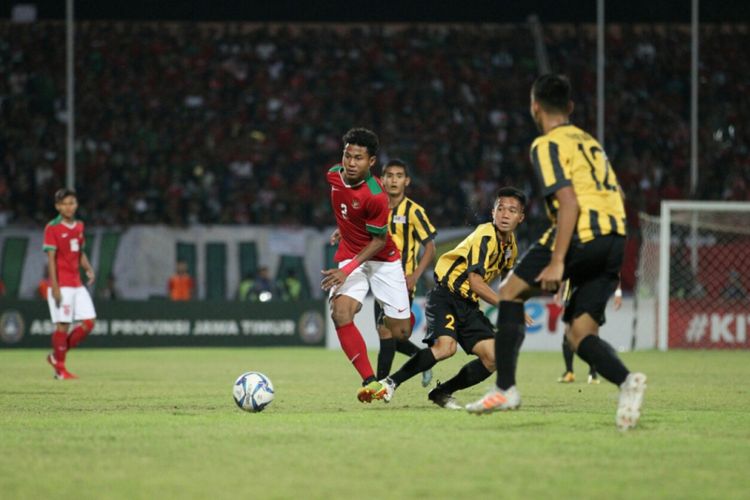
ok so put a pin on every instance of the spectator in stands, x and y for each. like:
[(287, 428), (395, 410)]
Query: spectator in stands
[(157, 146), (245, 288), (290, 288), (181, 285), (263, 288), (258, 288), (734, 289)]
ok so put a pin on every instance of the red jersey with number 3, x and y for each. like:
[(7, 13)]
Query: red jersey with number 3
[(67, 242), (361, 212)]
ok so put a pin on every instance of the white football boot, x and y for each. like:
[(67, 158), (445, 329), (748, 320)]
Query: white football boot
[(496, 400), (386, 393), (631, 399)]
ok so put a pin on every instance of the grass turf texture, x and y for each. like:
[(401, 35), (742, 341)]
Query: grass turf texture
[(161, 423)]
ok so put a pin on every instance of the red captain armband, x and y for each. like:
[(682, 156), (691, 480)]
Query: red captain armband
[(351, 266)]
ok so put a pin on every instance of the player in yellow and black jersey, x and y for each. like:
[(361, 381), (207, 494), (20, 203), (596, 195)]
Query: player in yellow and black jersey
[(463, 276), (585, 244), (453, 269), (408, 224), (567, 156), (411, 230)]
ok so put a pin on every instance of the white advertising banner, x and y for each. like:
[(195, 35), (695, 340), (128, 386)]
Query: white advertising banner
[(544, 335)]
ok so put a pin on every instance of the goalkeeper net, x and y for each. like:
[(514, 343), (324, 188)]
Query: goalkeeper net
[(694, 275)]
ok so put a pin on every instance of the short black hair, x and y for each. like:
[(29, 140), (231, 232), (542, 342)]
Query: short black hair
[(63, 193), (512, 192), (552, 92), (397, 162), (363, 137)]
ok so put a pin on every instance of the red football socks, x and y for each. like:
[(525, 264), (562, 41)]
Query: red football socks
[(355, 349), (60, 345), (554, 311), (80, 332)]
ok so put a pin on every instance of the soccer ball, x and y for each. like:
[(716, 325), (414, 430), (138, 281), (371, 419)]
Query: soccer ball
[(253, 391)]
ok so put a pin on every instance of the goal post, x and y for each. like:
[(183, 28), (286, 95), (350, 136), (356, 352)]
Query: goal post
[(694, 270)]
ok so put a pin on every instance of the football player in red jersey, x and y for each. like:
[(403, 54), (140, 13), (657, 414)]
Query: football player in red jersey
[(367, 257), (68, 299)]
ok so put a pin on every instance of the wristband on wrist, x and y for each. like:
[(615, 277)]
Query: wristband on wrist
[(618, 292), (351, 266)]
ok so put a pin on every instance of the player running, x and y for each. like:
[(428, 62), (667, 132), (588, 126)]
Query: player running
[(410, 229), (585, 244), (68, 299), (463, 276), (367, 257)]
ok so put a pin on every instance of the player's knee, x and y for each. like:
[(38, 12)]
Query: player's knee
[(88, 324), (488, 360), (341, 317), (399, 328), (485, 351), (384, 333), (444, 348), (574, 338), (402, 333)]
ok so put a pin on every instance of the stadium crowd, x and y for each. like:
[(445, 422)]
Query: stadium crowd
[(225, 123)]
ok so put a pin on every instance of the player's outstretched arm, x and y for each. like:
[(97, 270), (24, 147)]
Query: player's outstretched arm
[(482, 289)]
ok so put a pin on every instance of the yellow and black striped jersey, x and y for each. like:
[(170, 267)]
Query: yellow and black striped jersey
[(482, 253), (568, 156), (410, 228)]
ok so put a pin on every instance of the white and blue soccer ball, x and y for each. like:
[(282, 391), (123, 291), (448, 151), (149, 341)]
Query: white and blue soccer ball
[(253, 391)]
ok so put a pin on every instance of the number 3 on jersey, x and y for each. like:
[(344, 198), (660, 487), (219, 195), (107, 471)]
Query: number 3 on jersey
[(343, 211)]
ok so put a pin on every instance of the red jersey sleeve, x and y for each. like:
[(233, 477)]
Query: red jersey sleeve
[(377, 214), (50, 241)]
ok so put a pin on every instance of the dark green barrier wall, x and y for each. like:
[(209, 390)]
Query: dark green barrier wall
[(164, 323)]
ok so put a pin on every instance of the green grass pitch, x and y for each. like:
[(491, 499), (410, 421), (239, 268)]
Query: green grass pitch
[(161, 423)]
